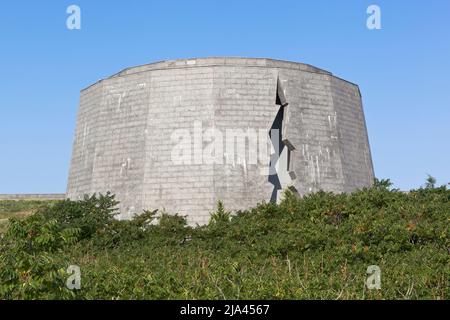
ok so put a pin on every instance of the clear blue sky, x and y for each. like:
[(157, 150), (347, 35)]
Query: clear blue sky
[(403, 70)]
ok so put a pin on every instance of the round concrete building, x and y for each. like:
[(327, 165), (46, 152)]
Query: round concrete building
[(181, 135)]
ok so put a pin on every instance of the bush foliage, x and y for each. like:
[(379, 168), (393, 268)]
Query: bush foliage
[(316, 247)]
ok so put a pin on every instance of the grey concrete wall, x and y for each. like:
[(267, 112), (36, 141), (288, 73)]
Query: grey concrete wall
[(125, 124), (178, 98), (244, 98), (353, 141), (22, 196), (312, 129)]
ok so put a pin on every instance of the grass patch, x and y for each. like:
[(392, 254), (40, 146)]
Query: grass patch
[(3, 225), (20, 209), (12, 208)]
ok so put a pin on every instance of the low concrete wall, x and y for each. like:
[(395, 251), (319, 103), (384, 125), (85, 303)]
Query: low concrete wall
[(51, 196)]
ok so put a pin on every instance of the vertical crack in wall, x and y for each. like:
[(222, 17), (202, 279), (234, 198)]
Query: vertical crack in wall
[(280, 174)]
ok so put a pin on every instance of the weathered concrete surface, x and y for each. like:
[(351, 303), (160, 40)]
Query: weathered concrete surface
[(123, 141)]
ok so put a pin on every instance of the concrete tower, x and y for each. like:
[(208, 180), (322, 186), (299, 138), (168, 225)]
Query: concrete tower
[(181, 135)]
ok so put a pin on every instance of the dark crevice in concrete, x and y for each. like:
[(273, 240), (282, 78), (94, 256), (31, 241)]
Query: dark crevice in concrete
[(280, 174), (276, 140)]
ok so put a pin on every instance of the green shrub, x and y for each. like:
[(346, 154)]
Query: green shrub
[(315, 247), (93, 216), (27, 264)]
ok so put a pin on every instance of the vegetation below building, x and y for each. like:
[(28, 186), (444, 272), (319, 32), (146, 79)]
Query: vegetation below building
[(317, 247)]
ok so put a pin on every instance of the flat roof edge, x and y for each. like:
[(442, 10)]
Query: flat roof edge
[(213, 62)]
